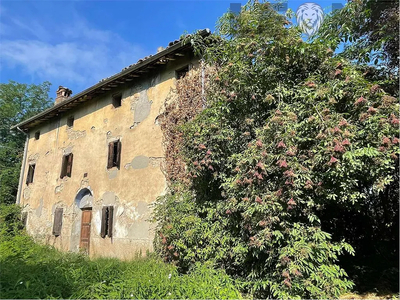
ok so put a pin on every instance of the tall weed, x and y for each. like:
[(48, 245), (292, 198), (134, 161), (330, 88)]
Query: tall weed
[(30, 270)]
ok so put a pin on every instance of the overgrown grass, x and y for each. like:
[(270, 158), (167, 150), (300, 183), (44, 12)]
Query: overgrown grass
[(29, 270)]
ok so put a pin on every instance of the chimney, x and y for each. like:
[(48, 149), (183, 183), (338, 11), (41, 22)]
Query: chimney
[(63, 93)]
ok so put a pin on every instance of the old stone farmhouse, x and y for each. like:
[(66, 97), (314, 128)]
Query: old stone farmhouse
[(92, 162)]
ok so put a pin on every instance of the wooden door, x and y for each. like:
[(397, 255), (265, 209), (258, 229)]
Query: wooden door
[(85, 230)]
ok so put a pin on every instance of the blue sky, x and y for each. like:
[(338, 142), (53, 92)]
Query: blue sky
[(77, 43)]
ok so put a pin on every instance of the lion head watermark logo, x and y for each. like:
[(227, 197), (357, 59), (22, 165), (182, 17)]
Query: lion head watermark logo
[(309, 17)]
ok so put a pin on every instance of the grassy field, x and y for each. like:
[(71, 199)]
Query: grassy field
[(29, 270)]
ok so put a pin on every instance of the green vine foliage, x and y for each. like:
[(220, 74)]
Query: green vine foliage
[(288, 130)]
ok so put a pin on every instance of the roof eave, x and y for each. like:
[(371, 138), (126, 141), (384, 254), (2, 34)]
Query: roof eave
[(85, 95)]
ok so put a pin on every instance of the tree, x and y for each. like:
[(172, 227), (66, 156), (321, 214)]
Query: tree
[(17, 103), (288, 130), (371, 29)]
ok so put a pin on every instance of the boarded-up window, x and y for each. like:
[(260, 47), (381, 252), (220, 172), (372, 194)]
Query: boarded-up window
[(114, 154), (107, 221), (117, 100), (57, 225), (70, 121), (66, 168), (31, 172)]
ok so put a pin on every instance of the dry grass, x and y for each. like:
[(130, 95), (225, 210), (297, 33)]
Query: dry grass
[(369, 296)]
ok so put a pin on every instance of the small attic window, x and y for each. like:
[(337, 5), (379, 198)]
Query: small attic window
[(116, 100), (182, 72), (70, 121), (37, 135)]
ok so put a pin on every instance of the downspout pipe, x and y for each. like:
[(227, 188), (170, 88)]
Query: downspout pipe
[(21, 175)]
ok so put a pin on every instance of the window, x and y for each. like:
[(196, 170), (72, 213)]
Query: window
[(114, 154), (116, 100), (58, 214), (70, 121), (37, 135), (181, 72), (31, 172), (107, 221), (24, 218), (66, 168)]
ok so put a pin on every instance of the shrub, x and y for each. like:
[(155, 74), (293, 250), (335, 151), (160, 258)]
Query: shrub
[(287, 133), (10, 221)]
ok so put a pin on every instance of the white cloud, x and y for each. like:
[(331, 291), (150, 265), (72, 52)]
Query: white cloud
[(34, 28), (79, 29), (77, 55)]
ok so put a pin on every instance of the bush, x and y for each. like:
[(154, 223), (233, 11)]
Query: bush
[(10, 221), (288, 132)]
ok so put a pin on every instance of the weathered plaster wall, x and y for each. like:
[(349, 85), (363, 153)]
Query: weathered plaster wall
[(130, 189)]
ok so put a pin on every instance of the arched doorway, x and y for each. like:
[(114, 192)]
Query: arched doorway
[(84, 201), (84, 198)]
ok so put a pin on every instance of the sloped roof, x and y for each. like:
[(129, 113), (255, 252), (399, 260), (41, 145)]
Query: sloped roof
[(141, 67)]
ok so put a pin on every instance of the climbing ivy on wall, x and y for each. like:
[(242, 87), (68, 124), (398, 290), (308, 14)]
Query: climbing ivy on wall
[(183, 103), (287, 130)]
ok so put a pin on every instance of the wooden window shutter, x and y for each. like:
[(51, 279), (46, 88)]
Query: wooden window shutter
[(69, 164), (24, 218), (103, 222), (57, 221), (32, 169), (118, 158), (107, 221), (110, 220), (64, 167), (27, 176), (110, 162)]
